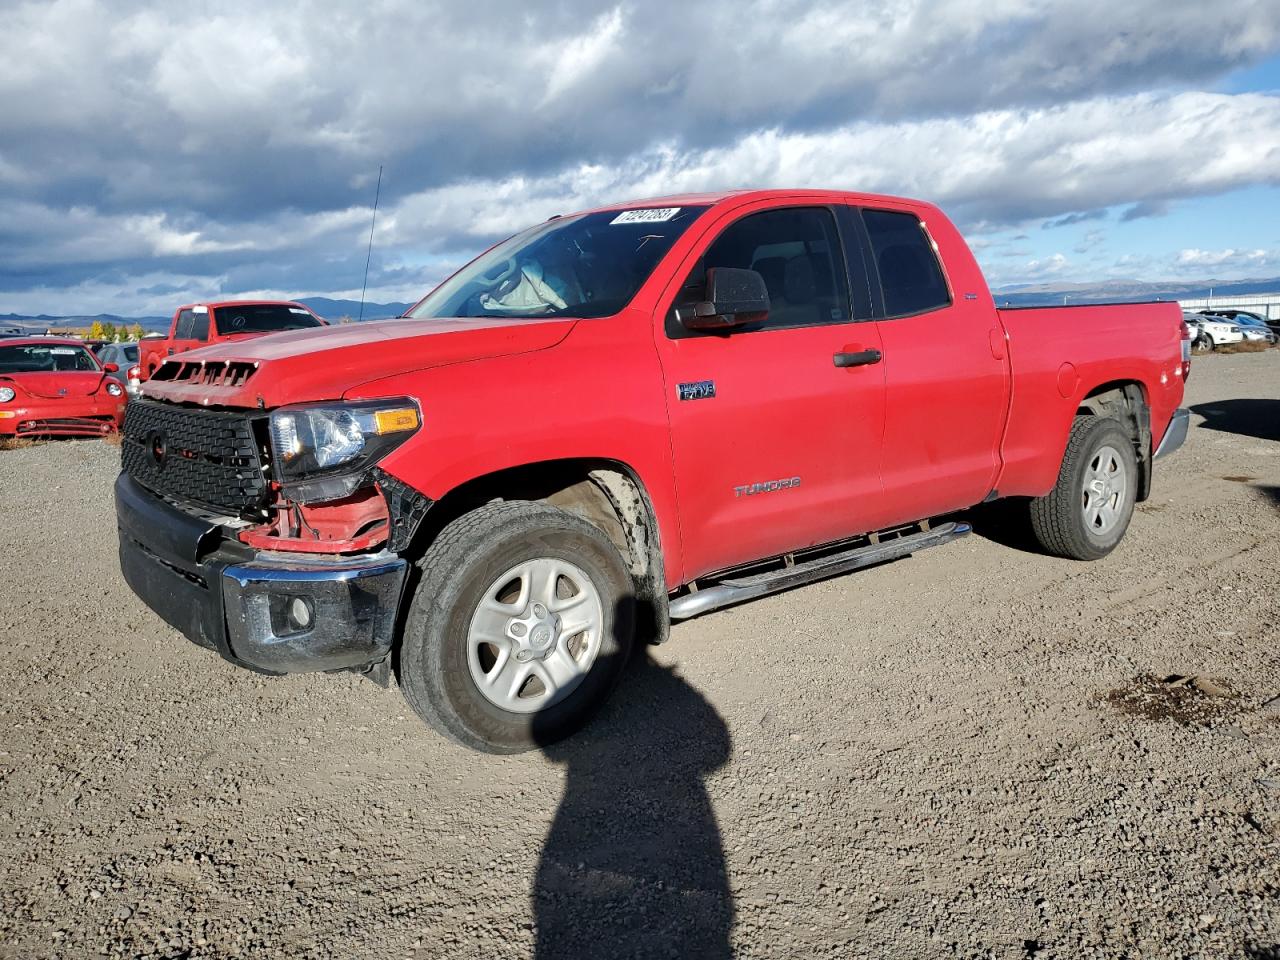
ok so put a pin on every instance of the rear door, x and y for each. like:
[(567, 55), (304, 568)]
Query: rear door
[(775, 447), (945, 365)]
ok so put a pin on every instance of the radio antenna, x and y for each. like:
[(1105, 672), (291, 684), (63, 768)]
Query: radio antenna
[(369, 255)]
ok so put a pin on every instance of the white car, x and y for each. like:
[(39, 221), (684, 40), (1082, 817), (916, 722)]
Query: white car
[(1210, 332)]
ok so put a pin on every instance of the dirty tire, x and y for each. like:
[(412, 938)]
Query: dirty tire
[(1058, 519), (457, 569)]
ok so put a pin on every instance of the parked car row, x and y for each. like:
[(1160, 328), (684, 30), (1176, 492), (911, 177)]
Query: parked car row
[(66, 386), (1214, 328)]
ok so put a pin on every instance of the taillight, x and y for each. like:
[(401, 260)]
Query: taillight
[(1185, 367), (135, 372)]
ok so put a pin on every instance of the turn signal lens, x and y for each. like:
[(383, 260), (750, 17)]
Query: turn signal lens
[(394, 421)]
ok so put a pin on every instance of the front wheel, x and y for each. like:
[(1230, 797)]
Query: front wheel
[(519, 628), (1087, 512)]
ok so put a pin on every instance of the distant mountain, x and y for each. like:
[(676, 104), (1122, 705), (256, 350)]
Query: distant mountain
[(1047, 294), (43, 321), (323, 306), (333, 309)]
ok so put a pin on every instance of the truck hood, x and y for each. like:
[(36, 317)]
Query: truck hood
[(56, 384), (299, 366)]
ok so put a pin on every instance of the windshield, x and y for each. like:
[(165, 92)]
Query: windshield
[(588, 265), (262, 318), (39, 358)]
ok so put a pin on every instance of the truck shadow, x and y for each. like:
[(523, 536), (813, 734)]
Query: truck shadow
[(1005, 522), (633, 865), (1258, 418)]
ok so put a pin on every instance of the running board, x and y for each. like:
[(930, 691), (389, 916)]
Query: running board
[(738, 589)]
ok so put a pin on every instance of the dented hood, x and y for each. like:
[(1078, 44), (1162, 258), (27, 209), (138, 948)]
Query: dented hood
[(56, 384), (299, 366)]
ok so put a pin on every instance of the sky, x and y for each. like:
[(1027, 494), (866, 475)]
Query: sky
[(158, 153)]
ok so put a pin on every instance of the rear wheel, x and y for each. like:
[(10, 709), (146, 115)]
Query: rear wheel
[(519, 627), (1088, 511)]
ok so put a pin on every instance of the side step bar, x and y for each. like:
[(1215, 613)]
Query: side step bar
[(738, 589)]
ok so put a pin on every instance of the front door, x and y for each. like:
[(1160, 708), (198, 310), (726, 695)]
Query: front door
[(775, 447)]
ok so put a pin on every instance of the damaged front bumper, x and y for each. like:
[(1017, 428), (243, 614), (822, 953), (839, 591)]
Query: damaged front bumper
[(268, 611)]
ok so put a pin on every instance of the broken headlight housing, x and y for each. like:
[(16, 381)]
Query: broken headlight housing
[(323, 451)]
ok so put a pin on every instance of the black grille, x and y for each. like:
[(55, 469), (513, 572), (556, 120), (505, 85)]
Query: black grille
[(206, 457)]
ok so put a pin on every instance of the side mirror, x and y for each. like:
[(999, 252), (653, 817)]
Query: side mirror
[(734, 297), (110, 367)]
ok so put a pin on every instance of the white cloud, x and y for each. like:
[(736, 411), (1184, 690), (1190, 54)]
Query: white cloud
[(575, 59), (1235, 259), (1007, 165)]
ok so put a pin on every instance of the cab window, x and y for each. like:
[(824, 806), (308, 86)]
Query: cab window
[(192, 326), (910, 278), (797, 252)]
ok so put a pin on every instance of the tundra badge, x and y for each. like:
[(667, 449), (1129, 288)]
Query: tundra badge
[(751, 489)]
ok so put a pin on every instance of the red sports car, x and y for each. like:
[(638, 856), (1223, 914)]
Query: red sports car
[(52, 387)]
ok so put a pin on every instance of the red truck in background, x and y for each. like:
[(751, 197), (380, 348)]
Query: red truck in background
[(616, 419), (198, 325)]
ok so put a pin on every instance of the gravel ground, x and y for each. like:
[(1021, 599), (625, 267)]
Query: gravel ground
[(975, 752)]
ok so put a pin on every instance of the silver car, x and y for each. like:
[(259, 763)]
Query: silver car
[(125, 357)]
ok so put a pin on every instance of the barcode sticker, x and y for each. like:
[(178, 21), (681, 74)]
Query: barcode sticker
[(648, 215)]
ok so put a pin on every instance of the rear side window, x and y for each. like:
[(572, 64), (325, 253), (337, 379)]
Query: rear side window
[(797, 252), (192, 326), (910, 277)]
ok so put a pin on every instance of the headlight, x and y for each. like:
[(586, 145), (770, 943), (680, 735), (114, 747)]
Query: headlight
[(322, 452), (6, 394), (114, 388)]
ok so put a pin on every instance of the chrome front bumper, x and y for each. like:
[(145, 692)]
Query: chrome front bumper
[(270, 612), (295, 614)]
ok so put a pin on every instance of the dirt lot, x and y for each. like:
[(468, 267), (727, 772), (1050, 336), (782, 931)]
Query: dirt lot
[(976, 752)]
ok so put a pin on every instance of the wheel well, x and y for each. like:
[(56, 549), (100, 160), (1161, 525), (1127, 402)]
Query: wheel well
[(605, 493), (1126, 401)]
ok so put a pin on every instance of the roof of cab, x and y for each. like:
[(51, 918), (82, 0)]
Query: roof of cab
[(216, 304), (748, 195)]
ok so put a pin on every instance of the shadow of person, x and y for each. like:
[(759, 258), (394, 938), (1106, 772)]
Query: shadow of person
[(633, 865), (1249, 417)]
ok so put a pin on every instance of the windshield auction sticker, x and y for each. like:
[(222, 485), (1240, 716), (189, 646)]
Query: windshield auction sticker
[(650, 215)]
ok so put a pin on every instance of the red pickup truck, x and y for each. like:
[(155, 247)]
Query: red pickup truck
[(616, 419), (196, 325)]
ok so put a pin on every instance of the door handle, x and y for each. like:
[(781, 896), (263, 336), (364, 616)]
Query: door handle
[(860, 358)]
